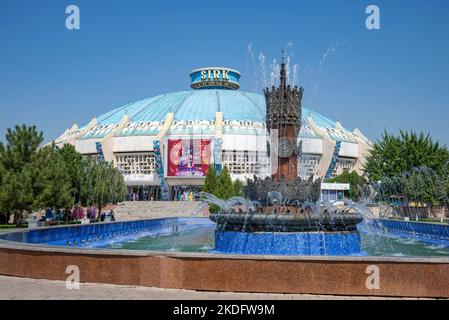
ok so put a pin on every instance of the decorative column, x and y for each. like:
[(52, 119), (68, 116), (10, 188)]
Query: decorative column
[(284, 118), (158, 156), (218, 142)]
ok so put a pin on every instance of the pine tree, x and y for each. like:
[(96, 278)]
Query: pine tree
[(22, 144), (210, 184), (238, 188), (18, 195), (19, 190), (225, 187), (4, 214), (32, 178)]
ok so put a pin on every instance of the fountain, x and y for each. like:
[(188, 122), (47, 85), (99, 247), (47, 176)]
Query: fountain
[(281, 214)]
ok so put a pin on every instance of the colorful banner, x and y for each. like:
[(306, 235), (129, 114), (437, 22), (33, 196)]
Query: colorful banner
[(334, 161), (160, 169), (188, 157), (217, 155), (100, 154)]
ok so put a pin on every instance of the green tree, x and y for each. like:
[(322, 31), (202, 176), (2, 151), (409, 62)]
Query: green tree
[(210, 183), (412, 166), (100, 192), (19, 190), (56, 187), (225, 187), (73, 161), (18, 196), (84, 183), (100, 184), (22, 144), (393, 155), (220, 186), (120, 189), (32, 178), (4, 214), (238, 188), (356, 182)]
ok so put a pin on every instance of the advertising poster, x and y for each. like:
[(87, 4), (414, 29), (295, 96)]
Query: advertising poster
[(188, 157)]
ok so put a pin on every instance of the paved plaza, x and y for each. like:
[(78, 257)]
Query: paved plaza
[(13, 288)]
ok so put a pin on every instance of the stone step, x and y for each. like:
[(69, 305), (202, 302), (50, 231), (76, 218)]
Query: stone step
[(130, 210)]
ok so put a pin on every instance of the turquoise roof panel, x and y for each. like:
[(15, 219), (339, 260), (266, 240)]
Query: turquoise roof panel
[(200, 105), (239, 105)]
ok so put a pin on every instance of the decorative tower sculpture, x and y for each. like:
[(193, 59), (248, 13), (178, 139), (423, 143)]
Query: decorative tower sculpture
[(283, 119)]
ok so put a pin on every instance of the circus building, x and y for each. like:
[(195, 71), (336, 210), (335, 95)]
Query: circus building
[(165, 144)]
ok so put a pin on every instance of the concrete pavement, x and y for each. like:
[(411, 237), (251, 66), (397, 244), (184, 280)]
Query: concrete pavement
[(13, 288)]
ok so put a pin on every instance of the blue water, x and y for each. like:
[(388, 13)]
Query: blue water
[(199, 235)]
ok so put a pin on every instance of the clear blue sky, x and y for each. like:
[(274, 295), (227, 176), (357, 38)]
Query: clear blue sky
[(396, 77)]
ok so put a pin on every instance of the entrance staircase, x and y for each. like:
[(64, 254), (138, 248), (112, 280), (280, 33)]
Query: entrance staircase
[(132, 210)]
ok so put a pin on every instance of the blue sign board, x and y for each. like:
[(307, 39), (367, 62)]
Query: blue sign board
[(215, 78)]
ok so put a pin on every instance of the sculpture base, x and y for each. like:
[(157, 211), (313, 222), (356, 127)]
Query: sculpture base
[(291, 243), (286, 222)]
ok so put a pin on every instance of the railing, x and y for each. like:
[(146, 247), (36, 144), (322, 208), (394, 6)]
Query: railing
[(427, 212), (422, 230), (78, 235)]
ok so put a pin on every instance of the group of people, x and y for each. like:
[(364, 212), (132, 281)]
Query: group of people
[(77, 214), (133, 196), (107, 216)]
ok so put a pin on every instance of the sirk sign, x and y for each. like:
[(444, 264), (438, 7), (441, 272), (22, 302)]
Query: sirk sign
[(215, 77)]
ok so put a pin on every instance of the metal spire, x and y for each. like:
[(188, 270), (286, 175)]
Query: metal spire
[(283, 79)]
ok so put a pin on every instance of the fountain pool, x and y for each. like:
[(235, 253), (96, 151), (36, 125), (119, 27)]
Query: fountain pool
[(199, 235), (180, 253)]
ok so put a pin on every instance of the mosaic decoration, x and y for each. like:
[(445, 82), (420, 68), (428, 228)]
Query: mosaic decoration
[(160, 169), (217, 155), (334, 161), (99, 151)]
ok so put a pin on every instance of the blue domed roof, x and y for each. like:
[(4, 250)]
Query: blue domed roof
[(192, 105), (197, 105)]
